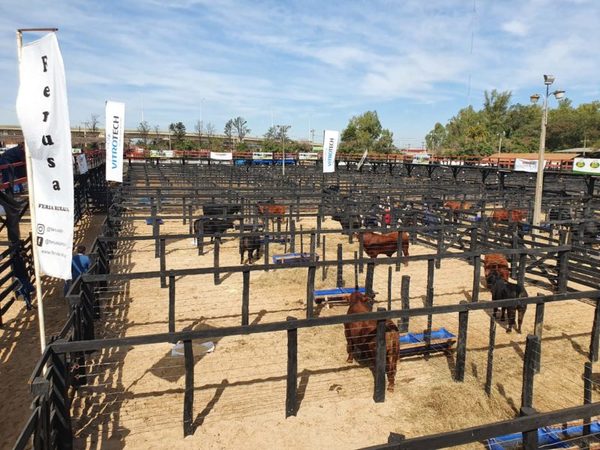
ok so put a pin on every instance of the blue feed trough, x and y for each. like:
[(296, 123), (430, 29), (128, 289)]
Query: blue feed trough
[(548, 437), (150, 221), (414, 343), (335, 294)]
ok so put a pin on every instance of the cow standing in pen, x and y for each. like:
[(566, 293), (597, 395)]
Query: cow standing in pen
[(503, 290), (250, 244), (387, 244), (361, 337)]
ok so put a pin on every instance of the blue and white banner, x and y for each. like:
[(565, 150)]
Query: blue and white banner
[(330, 145), (115, 127), (44, 117), (221, 156)]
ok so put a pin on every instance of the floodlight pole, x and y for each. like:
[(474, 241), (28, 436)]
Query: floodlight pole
[(539, 181)]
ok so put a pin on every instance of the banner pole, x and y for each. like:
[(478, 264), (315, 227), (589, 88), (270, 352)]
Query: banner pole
[(36, 263)]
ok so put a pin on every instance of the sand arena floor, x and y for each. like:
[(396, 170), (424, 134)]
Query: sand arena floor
[(134, 397)]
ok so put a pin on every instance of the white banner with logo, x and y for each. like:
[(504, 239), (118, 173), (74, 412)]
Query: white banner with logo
[(44, 117), (221, 156), (115, 127), (330, 145), (586, 165), (306, 156), (421, 158), (82, 163), (527, 165), (262, 155)]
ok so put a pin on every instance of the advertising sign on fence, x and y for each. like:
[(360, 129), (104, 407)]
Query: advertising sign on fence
[(168, 153), (262, 155), (44, 117), (527, 165), (586, 165), (308, 156), (221, 156), (330, 145), (115, 126), (421, 158)]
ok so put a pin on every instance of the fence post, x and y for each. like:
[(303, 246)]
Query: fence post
[(216, 251), (476, 278), (292, 371), (429, 292), (246, 297), (361, 254), (522, 268), (369, 278), (593, 356), (530, 437), (340, 267), (310, 290), (190, 219), (461, 346), (490, 356), (60, 399), (40, 389), (183, 207), (531, 346), (292, 236), (587, 395), (473, 240), (266, 240), (405, 300), (380, 356), (389, 290), (155, 232), (171, 302), (513, 257), (313, 248), (398, 251), (538, 327), (563, 271), (163, 263), (319, 219), (200, 237), (324, 267), (440, 244), (188, 399)]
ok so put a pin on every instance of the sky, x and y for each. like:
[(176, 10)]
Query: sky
[(309, 64)]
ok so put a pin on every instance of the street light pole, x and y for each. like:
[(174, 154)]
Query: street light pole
[(539, 182)]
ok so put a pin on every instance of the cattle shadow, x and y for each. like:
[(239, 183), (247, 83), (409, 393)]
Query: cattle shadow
[(509, 400), (577, 347)]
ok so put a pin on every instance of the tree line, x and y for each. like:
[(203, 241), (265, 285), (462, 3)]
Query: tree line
[(501, 127)]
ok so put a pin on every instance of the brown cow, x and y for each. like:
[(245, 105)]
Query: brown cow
[(276, 212), (387, 244), (509, 215), (457, 207), (361, 342)]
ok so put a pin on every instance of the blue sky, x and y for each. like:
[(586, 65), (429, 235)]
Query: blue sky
[(308, 64)]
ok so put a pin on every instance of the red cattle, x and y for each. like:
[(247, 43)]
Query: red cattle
[(509, 215), (361, 342), (276, 212), (456, 205), (387, 244), (497, 262)]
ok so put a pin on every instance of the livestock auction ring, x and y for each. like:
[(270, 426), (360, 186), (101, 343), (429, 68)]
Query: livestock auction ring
[(190, 348)]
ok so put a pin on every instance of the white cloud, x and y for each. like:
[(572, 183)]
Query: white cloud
[(516, 27)]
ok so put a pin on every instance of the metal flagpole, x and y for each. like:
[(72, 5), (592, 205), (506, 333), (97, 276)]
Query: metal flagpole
[(36, 263)]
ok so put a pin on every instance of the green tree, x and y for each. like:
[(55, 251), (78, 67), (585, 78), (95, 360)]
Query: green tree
[(199, 128), (229, 132), (436, 138), (365, 132), (178, 132)]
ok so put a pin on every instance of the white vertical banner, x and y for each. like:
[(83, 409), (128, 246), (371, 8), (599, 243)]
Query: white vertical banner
[(115, 126), (330, 145), (44, 117)]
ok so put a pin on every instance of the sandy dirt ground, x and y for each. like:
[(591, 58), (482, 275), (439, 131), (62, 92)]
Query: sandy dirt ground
[(134, 396), (20, 340)]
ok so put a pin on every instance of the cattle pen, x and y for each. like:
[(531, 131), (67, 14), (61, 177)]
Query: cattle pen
[(172, 341)]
